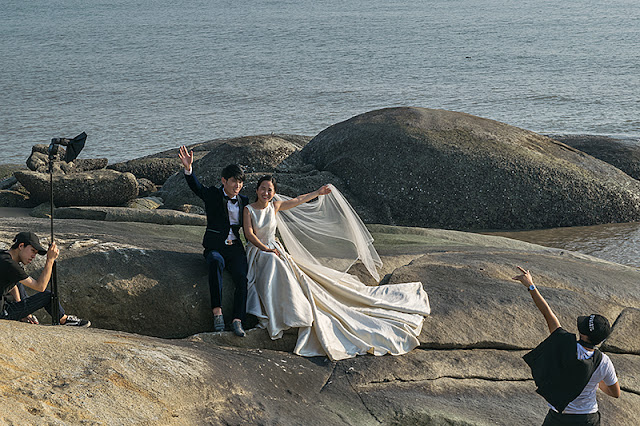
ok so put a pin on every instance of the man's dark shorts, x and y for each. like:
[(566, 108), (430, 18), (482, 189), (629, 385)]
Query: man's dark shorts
[(553, 418)]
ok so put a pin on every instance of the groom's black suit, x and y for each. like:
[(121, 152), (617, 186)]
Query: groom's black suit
[(217, 252)]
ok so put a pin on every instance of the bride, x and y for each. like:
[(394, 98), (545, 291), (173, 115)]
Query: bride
[(308, 287)]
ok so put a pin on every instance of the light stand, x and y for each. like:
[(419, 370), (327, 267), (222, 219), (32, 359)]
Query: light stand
[(74, 146)]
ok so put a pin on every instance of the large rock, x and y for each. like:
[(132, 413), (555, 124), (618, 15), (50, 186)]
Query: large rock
[(95, 188), (258, 155), (619, 152), (423, 167), (123, 268), (7, 170), (624, 337), (148, 203), (117, 274), (137, 211), (477, 305), (478, 387), (145, 187), (56, 375), (119, 378), (8, 182), (38, 161), (261, 153), (88, 164), (255, 153), (157, 170), (468, 369), (10, 198)]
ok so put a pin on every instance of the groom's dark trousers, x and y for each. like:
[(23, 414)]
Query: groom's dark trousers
[(232, 257), (218, 254)]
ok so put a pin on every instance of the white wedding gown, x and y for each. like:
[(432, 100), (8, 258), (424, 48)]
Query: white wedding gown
[(337, 315)]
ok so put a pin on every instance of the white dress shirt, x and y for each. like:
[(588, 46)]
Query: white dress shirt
[(234, 214)]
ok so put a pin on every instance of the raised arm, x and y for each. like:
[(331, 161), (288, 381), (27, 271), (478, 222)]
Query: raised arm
[(186, 157), (247, 228), (526, 280), (289, 204)]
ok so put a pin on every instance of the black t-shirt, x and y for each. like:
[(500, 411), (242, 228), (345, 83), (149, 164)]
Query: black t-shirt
[(10, 272)]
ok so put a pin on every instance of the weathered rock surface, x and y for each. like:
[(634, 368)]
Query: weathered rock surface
[(10, 198), (462, 281), (467, 276), (258, 155), (145, 187), (14, 194), (621, 153), (190, 208), (38, 161), (135, 213), (624, 337), (8, 182), (94, 188), (114, 378), (7, 170), (422, 167), (128, 276), (255, 153), (148, 203), (157, 170), (88, 164), (152, 280)]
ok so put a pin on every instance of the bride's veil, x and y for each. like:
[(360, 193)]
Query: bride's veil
[(327, 232)]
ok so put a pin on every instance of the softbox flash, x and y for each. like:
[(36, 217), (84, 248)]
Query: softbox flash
[(74, 147)]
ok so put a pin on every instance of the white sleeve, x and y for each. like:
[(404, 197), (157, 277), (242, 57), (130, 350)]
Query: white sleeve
[(609, 372)]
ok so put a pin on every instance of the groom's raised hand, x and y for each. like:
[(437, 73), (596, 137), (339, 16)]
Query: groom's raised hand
[(186, 157)]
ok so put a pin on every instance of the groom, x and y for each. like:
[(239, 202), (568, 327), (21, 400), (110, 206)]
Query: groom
[(222, 245)]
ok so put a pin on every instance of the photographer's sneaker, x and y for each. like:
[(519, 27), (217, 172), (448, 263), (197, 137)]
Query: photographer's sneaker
[(74, 321)]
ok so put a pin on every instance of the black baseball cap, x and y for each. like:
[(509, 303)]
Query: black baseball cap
[(595, 327), (30, 239)]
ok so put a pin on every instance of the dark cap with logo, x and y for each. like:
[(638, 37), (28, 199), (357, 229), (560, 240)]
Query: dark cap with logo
[(595, 327), (30, 239)]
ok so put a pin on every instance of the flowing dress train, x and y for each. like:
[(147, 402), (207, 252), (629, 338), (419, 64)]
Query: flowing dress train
[(336, 314)]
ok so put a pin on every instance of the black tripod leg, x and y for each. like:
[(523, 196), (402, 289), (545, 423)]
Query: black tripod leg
[(55, 300)]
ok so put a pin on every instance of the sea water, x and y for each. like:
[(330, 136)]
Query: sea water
[(145, 76)]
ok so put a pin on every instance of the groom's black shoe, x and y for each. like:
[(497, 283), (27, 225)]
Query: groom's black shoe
[(237, 329), (218, 323)]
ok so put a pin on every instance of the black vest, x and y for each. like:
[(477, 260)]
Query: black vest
[(557, 371)]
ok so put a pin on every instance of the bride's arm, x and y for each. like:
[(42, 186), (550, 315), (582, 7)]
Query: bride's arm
[(247, 228), (289, 204)]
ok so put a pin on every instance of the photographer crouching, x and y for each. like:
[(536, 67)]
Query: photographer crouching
[(13, 279)]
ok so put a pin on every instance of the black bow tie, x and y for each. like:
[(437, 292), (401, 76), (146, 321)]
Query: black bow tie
[(232, 200)]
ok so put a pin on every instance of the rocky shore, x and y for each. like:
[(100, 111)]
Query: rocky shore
[(134, 267), (398, 166), (468, 369)]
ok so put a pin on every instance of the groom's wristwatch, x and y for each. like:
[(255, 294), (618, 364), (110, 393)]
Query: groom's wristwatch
[(532, 287)]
